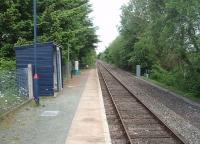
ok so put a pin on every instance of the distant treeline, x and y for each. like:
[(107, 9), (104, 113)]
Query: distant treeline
[(163, 36), (65, 22)]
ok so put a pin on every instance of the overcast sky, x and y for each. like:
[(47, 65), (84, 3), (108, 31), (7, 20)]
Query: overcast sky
[(106, 15)]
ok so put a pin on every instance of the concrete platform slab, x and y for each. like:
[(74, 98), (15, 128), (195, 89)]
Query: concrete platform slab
[(89, 125)]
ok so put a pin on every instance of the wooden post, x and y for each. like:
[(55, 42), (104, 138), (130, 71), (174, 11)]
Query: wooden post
[(30, 81)]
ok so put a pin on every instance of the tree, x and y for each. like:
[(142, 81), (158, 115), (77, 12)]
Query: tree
[(65, 22), (163, 37)]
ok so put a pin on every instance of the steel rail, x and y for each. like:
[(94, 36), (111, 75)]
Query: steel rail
[(175, 134), (118, 113)]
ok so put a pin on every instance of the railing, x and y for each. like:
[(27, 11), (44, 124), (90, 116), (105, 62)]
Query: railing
[(15, 88)]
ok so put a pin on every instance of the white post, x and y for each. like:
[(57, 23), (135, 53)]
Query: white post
[(76, 66), (138, 70), (30, 81)]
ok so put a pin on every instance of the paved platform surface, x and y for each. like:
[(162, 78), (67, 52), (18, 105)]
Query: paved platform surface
[(89, 125), (47, 124)]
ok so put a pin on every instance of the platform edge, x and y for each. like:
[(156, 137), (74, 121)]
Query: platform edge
[(103, 113)]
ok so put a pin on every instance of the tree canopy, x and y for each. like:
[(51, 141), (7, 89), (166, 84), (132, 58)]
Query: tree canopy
[(65, 22), (164, 38)]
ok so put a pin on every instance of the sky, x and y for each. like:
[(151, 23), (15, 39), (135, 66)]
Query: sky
[(106, 16)]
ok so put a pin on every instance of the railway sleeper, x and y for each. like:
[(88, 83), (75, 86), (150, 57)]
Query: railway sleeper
[(140, 121), (155, 141), (138, 133), (145, 127), (135, 116), (117, 134), (120, 141)]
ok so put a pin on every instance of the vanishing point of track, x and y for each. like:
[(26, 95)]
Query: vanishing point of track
[(130, 121)]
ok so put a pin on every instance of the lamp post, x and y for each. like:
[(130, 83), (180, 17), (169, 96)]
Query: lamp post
[(36, 77)]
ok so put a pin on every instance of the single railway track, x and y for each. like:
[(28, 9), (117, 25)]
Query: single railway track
[(129, 120)]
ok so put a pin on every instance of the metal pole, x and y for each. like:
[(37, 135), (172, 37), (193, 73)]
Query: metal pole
[(35, 34), (68, 52), (36, 77), (69, 73)]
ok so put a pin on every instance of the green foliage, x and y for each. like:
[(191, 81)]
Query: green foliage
[(163, 37), (7, 64), (88, 60), (163, 76), (65, 22), (186, 82)]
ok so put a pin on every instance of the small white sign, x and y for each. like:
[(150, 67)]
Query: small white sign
[(49, 113), (76, 65)]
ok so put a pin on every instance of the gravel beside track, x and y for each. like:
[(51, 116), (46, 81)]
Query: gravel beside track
[(188, 110), (139, 122)]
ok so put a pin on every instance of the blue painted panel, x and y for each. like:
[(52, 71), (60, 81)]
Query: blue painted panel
[(25, 56)]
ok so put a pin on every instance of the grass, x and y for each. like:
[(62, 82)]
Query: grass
[(174, 90), (10, 101)]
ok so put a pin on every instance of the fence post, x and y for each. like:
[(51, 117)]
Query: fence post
[(30, 81)]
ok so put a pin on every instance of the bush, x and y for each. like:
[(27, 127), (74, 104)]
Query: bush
[(6, 64), (188, 83), (162, 75), (89, 60), (192, 84)]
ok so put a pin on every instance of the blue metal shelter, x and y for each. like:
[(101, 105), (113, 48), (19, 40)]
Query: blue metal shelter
[(48, 65)]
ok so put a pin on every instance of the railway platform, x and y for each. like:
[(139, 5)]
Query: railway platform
[(89, 124), (76, 116)]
